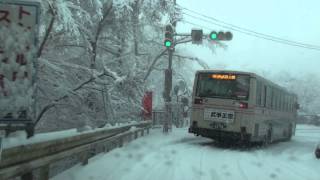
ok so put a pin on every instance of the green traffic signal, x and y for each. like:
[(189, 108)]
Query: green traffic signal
[(213, 35), (167, 43)]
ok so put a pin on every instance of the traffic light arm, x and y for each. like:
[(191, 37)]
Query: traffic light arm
[(183, 34), (213, 36), (182, 41)]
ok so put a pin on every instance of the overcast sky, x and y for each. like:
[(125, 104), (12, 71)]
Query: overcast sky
[(296, 20)]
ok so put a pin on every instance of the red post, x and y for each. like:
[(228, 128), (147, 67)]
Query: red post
[(147, 105)]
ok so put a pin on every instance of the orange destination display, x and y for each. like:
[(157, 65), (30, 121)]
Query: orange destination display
[(224, 76)]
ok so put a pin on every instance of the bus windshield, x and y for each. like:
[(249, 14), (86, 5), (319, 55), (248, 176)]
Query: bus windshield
[(224, 86)]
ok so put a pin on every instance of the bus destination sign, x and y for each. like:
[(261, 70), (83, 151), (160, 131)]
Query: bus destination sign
[(223, 76)]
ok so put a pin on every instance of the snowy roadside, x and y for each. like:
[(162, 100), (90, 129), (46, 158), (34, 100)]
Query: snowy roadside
[(182, 156)]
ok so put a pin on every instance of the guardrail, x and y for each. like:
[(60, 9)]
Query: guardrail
[(22, 160)]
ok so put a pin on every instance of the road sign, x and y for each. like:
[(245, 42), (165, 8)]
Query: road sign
[(19, 24), (196, 36)]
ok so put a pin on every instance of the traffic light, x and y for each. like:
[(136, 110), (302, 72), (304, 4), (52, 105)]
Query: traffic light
[(196, 35), (168, 37), (220, 36)]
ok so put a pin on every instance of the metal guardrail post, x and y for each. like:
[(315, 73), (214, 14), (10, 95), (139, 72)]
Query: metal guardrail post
[(120, 143), (27, 176), (84, 158), (44, 172), (135, 134)]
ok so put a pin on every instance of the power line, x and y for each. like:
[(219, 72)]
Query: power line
[(247, 31), (254, 35), (194, 24)]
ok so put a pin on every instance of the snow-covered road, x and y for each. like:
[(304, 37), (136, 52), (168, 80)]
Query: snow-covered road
[(182, 156)]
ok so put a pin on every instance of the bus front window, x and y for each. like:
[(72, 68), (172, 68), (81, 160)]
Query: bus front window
[(222, 87)]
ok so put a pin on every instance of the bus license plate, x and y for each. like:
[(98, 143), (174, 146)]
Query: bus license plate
[(216, 125), (218, 115)]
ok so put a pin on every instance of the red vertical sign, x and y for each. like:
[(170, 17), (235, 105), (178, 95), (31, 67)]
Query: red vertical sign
[(147, 105)]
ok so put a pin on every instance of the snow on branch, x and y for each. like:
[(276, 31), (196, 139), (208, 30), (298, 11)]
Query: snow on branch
[(107, 72)]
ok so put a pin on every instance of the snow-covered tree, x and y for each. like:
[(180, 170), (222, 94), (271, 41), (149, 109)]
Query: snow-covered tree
[(94, 59)]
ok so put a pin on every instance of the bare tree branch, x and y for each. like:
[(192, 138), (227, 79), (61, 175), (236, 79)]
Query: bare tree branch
[(72, 45), (43, 111), (107, 49), (153, 63), (94, 43), (54, 103), (48, 31)]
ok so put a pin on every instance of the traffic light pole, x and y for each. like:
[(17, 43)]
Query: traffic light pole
[(168, 86), (167, 94)]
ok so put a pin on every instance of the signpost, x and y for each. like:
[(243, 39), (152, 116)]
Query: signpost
[(19, 24)]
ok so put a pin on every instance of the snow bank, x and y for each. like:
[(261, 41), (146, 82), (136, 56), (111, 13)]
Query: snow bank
[(20, 137)]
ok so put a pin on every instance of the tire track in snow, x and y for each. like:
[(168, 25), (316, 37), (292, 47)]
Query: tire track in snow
[(201, 157), (243, 174), (283, 167)]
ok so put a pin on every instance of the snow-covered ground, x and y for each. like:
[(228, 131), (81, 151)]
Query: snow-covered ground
[(182, 156)]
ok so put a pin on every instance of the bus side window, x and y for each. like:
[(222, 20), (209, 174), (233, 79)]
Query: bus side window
[(264, 100), (276, 98), (269, 97), (258, 94), (291, 103), (287, 104), (281, 101), (272, 98), (284, 102)]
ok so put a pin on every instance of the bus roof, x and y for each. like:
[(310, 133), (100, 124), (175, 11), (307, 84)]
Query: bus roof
[(223, 71), (246, 73)]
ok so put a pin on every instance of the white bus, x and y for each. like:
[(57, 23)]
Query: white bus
[(241, 106)]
